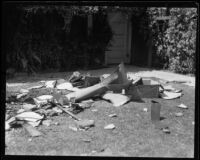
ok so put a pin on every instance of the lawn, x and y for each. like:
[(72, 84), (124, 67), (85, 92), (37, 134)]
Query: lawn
[(134, 136)]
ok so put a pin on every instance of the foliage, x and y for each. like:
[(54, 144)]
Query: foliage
[(176, 41), (46, 38)]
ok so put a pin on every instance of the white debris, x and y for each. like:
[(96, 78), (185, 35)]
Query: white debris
[(112, 115), (116, 99), (41, 100), (21, 95), (109, 126), (73, 128), (170, 95), (24, 91), (20, 111), (179, 114), (7, 126), (28, 107), (56, 109), (193, 123), (123, 91), (50, 84), (145, 109), (46, 122), (29, 116), (94, 110), (182, 106), (34, 124), (66, 85)]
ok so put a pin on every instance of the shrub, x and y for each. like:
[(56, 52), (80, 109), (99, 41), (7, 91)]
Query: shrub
[(176, 44)]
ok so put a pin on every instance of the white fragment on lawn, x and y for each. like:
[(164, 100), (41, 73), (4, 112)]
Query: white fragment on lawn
[(193, 123), (109, 126), (145, 109), (21, 95), (94, 110), (112, 115), (29, 116), (28, 107), (7, 126), (46, 122), (50, 84), (182, 106), (73, 128), (24, 91), (116, 99), (66, 85), (20, 111), (170, 95), (41, 100), (179, 114)]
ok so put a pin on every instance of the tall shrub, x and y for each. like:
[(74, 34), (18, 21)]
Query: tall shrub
[(176, 44)]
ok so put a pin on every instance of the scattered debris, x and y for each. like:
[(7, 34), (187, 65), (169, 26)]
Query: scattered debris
[(7, 126), (21, 110), (85, 124), (58, 110), (42, 100), (73, 128), (145, 109), (46, 122), (109, 126), (166, 130), (94, 110), (21, 95), (182, 106), (87, 140), (112, 115), (29, 116), (24, 91), (28, 107), (179, 114), (66, 85), (50, 84), (170, 95), (116, 99), (7, 117)]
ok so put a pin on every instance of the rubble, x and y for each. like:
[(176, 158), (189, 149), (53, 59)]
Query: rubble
[(170, 95), (182, 106), (112, 115), (80, 92), (85, 124), (116, 99), (109, 127), (179, 114)]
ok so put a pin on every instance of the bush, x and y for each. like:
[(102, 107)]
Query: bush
[(176, 44)]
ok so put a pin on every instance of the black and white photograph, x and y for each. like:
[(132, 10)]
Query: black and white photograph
[(100, 79)]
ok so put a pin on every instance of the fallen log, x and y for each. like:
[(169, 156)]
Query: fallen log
[(92, 90)]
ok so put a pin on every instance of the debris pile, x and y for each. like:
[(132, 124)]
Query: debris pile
[(78, 93)]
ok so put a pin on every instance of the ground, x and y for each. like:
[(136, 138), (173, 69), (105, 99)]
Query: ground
[(134, 135)]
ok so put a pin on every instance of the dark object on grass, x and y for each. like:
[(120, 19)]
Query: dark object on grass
[(155, 111)]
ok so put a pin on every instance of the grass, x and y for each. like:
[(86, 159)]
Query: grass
[(134, 135)]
